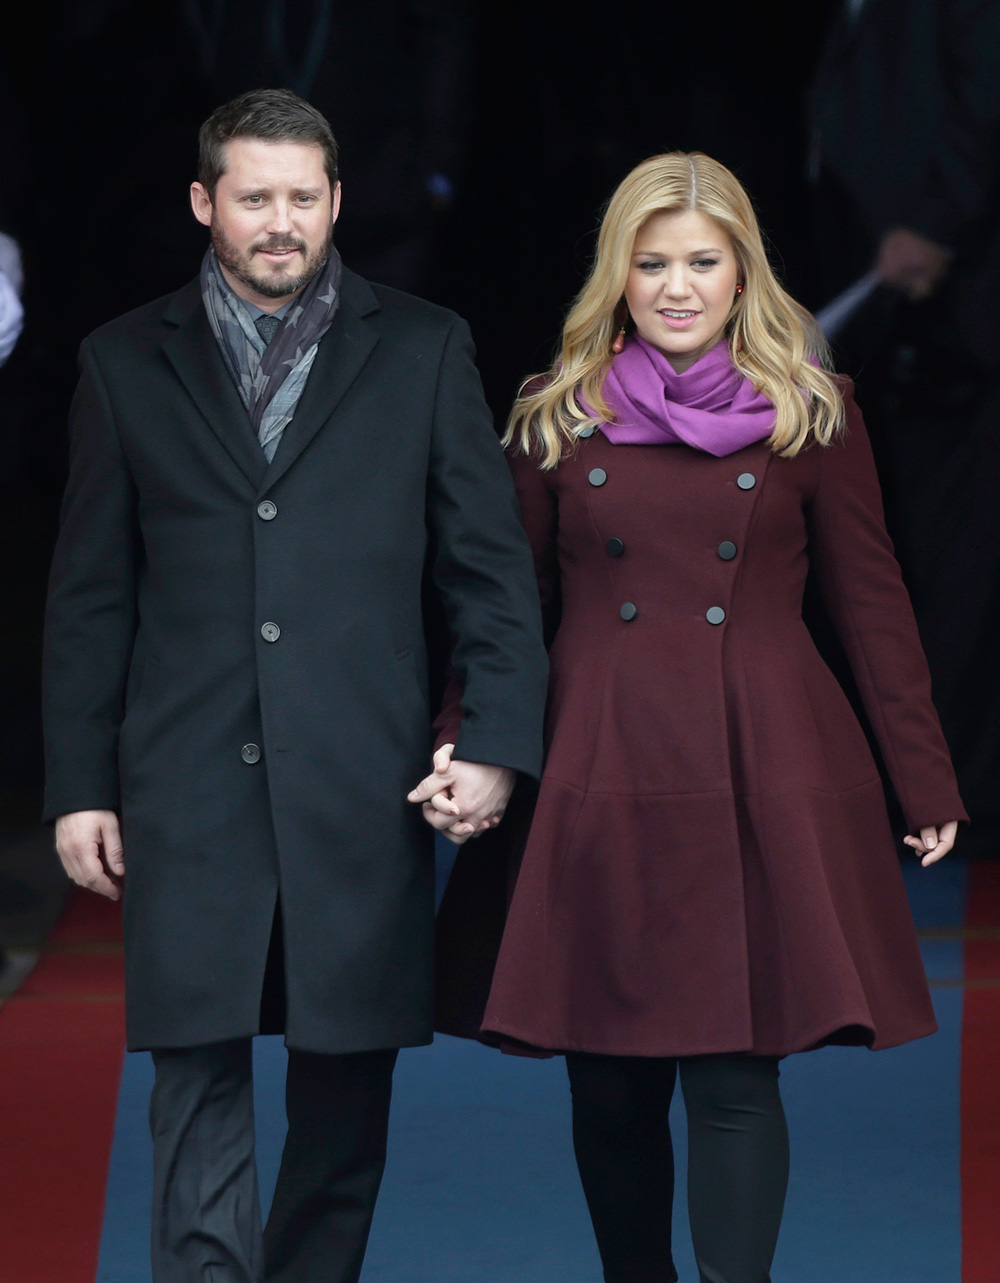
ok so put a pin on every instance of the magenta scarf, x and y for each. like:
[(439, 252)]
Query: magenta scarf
[(711, 406)]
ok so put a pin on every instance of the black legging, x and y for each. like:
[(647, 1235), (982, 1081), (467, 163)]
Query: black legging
[(737, 1162)]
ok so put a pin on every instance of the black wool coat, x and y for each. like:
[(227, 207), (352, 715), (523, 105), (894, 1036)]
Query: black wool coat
[(236, 659)]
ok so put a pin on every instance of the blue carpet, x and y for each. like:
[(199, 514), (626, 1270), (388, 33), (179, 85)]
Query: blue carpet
[(875, 1195), (124, 1255), (481, 1185), (480, 1182)]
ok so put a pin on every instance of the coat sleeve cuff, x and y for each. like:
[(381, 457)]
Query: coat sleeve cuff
[(499, 749), (66, 801)]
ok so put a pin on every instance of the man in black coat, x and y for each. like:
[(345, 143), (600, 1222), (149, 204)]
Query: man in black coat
[(268, 468), (905, 122)]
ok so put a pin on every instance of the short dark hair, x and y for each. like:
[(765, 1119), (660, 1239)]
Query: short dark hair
[(276, 115)]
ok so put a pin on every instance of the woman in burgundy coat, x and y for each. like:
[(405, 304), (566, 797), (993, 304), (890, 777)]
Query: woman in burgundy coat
[(710, 881)]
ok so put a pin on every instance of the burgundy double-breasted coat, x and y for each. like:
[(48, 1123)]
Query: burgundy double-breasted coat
[(710, 866)]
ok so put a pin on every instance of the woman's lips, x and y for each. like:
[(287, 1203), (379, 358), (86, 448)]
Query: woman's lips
[(681, 320)]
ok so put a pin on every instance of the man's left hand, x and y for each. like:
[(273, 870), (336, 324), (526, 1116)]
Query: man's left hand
[(463, 799)]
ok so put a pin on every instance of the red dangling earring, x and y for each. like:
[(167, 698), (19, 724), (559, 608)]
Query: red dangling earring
[(739, 289), (619, 343)]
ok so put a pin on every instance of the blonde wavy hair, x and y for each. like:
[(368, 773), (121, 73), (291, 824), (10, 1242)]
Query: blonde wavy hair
[(773, 340)]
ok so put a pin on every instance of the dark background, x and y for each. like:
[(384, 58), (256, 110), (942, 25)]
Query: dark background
[(532, 112)]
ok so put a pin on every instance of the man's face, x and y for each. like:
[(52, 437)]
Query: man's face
[(272, 218)]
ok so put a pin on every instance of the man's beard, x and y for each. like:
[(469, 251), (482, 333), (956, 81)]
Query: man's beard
[(277, 283)]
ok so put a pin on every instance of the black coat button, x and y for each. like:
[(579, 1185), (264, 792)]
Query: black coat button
[(267, 511), (727, 550), (614, 547), (250, 754), (746, 481), (715, 615), (586, 432), (597, 477), (628, 611), (270, 632)]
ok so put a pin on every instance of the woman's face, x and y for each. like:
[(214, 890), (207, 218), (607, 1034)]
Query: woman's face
[(681, 284)]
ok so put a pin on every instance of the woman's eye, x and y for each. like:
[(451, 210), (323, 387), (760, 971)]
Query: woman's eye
[(653, 265), (705, 262)]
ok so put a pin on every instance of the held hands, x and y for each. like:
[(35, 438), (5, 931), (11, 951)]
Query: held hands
[(89, 844), (463, 799), (933, 842)]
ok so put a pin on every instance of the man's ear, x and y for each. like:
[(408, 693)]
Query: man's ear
[(335, 200), (201, 204)]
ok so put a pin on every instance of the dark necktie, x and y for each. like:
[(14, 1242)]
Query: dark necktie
[(266, 326)]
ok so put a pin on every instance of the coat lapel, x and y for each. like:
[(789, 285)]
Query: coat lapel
[(194, 353), (343, 352)]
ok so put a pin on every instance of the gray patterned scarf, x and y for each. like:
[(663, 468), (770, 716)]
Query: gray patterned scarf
[(270, 377)]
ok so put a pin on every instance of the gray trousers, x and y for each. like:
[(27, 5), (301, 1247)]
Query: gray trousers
[(206, 1209)]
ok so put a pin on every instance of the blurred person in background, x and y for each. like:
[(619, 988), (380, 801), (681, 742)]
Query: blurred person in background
[(709, 881), (11, 282), (11, 324), (905, 167)]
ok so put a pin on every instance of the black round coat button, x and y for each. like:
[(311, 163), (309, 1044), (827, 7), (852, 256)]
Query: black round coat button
[(250, 754), (746, 481), (614, 547), (267, 511), (715, 615), (586, 432), (727, 550), (597, 477), (628, 611), (270, 632)]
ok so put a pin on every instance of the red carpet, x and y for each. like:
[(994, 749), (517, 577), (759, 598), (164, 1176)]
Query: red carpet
[(981, 1079), (61, 1043)]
